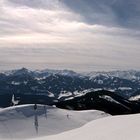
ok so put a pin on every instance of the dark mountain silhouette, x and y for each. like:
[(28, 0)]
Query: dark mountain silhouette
[(101, 100)]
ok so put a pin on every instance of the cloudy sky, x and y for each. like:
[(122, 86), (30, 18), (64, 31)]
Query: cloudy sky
[(83, 35)]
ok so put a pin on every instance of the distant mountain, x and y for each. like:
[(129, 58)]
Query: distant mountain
[(129, 75), (40, 73), (49, 86)]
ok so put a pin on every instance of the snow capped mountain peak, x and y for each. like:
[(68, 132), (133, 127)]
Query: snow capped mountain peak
[(21, 71)]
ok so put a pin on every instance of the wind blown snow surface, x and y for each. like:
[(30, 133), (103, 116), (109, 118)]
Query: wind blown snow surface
[(50, 123), (24, 122), (125, 127)]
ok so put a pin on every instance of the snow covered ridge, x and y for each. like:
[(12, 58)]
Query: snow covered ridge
[(28, 121), (110, 128)]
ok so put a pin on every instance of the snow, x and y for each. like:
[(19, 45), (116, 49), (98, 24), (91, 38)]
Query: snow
[(24, 122), (125, 88), (82, 93), (15, 83), (135, 98), (64, 94), (70, 98), (60, 72), (111, 90), (50, 123), (97, 89), (71, 95), (100, 81), (108, 98), (15, 102), (110, 128), (50, 94), (129, 75), (40, 78)]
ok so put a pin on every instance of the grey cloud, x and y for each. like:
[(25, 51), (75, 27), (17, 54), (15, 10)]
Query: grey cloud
[(124, 13), (40, 4)]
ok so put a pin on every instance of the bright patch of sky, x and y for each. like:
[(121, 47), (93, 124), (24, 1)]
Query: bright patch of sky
[(83, 35)]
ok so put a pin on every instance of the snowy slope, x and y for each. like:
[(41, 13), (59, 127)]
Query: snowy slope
[(135, 98), (22, 122), (110, 128)]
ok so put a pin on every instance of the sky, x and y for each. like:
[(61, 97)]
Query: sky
[(82, 35)]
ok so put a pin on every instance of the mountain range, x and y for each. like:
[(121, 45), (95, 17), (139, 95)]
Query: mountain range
[(57, 86)]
